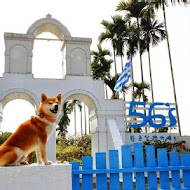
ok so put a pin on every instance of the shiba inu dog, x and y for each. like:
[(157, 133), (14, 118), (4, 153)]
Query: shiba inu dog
[(32, 135)]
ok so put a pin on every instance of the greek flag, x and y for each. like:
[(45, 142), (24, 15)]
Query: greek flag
[(123, 78)]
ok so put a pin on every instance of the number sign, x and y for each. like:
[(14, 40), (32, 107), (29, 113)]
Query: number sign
[(150, 118)]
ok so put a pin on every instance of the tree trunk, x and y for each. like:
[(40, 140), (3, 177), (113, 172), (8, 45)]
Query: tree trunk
[(114, 61), (89, 129), (122, 62), (81, 120), (121, 71), (150, 72), (132, 78), (75, 122), (141, 65), (171, 68), (85, 120)]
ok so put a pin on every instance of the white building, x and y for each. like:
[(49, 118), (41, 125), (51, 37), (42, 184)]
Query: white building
[(18, 82)]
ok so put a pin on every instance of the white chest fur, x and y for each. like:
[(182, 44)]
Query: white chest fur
[(49, 127), (49, 130)]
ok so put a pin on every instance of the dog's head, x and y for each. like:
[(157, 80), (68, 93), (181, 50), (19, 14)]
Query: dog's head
[(50, 106)]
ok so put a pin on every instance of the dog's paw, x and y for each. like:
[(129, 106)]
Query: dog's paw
[(48, 163), (24, 163), (40, 162)]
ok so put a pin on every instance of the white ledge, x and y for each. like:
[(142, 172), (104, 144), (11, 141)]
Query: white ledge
[(36, 177)]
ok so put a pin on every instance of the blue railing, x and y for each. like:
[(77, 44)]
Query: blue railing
[(133, 164)]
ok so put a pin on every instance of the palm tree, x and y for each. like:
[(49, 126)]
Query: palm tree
[(152, 34), (110, 81), (64, 121), (135, 10), (131, 43), (113, 33), (138, 92), (72, 106), (100, 66), (80, 109), (108, 35), (120, 30), (162, 3)]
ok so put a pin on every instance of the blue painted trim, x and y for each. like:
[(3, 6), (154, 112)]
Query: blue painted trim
[(131, 170)]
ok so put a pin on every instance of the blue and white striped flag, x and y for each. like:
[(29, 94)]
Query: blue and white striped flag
[(123, 78)]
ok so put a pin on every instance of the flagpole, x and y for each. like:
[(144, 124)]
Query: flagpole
[(132, 79)]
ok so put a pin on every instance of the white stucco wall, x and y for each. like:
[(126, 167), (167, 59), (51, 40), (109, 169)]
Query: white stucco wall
[(36, 177), (82, 87)]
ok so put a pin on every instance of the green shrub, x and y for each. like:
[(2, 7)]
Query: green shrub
[(170, 146), (70, 153), (4, 136), (72, 150)]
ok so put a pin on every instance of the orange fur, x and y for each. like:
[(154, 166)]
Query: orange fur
[(32, 135)]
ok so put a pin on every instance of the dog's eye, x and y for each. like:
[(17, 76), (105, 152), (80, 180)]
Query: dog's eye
[(50, 103)]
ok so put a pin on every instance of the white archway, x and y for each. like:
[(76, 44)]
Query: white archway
[(48, 58), (84, 96), (17, 93), (16, 112), (56, 28), (49, 24), (92, 106)]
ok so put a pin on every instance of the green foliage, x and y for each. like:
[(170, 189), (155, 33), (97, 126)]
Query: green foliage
[(64, 121), (138, 92), (110, 81), (69, 153), (72, 150), (4, 136), (170, 146), (100, 65), (152, 32), (33, 158), (163, 130)]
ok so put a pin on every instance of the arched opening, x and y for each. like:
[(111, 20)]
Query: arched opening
[(17, 107), (49, 24), (77, 142), (16, 112), (79, 119), (47, 57), (77, 108)]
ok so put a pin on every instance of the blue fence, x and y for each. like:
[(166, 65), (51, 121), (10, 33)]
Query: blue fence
[(151, 173)]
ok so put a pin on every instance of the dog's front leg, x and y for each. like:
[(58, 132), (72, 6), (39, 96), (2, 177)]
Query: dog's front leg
[(39, 156), (23, 160), (42, 148)]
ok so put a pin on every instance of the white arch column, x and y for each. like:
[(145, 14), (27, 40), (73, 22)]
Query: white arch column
[(107, 127), (18, 53)]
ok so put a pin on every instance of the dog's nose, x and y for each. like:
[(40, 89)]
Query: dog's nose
[(56, 107)]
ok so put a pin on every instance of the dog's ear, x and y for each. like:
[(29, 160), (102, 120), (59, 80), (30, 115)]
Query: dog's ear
[(59, 97), (43, 97)]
